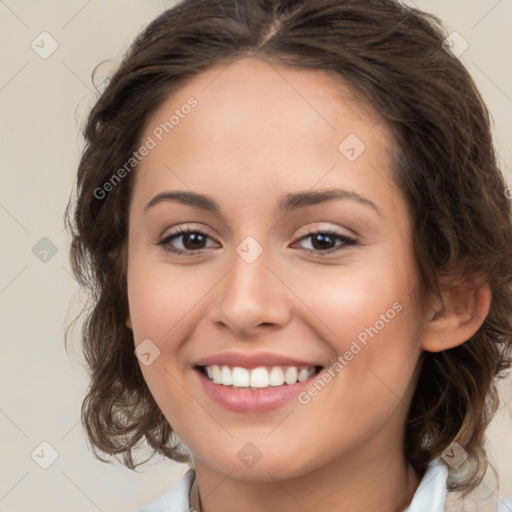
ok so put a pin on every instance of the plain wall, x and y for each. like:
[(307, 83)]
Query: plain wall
[(42, 105)]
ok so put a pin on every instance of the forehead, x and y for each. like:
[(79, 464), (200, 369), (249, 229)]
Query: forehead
[(263, 122), (228, 91)]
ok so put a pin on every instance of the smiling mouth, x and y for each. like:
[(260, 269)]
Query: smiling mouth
[(261, 377)]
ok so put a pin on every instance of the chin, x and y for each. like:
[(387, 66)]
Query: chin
[(266, 469)]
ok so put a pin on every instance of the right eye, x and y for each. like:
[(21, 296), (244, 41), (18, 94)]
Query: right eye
[(192, 241)]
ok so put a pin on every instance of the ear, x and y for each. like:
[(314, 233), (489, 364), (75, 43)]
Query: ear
[(457, 315), (129, 322)]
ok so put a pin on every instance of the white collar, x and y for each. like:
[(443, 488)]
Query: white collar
[(430, 495)]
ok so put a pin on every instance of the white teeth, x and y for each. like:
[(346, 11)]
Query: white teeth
[(227, 380), (260, 377), (303, 375), (276, 376), (290, 375), (216, 374), (240, 377)]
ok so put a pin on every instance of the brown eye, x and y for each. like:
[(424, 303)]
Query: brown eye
[(325, 241), (192, 240)]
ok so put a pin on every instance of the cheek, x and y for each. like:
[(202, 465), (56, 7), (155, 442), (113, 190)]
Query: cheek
[(372, 323), (161, 296), (165, 305), (348, 300), (162, 310)]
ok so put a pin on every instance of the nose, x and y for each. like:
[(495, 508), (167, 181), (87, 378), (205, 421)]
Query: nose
[(252, 298)]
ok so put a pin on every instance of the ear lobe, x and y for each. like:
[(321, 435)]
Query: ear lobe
[(458, 316), (129, 323)]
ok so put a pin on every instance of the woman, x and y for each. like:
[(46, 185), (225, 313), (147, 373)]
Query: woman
[(284, 209)]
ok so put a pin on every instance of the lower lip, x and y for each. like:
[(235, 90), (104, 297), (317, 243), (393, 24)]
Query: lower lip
[(246, 400)]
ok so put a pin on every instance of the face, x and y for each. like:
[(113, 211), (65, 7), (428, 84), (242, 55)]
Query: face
[(296, 263)]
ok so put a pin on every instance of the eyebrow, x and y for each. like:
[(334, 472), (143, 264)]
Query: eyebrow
[(290, 202)]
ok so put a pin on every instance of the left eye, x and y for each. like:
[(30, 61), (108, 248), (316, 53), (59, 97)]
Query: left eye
[(322, 242)]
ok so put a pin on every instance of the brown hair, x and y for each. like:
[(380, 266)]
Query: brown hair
[(445, 166)]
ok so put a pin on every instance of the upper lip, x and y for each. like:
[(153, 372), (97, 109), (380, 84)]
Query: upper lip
[(252, 360)]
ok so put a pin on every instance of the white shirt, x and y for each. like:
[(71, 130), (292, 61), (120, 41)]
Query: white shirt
[(430, 495)]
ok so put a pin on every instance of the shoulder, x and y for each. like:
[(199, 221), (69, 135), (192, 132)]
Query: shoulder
[(176, 498)]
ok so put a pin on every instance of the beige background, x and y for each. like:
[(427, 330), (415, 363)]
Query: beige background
[(42, 103)]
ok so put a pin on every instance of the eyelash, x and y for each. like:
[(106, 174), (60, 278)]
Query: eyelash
[(347, 241)]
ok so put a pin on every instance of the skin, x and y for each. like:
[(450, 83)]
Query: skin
[(260, 132)]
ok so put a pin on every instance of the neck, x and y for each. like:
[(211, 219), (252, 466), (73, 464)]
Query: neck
[(385, 484)]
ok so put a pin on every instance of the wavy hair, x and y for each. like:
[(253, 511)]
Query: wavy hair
[(445, 165)]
